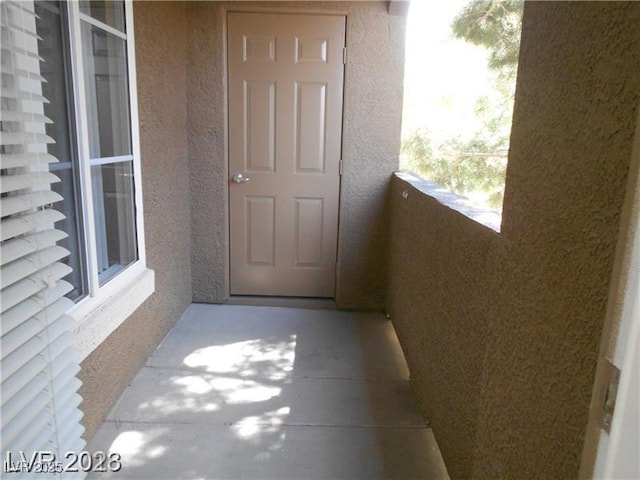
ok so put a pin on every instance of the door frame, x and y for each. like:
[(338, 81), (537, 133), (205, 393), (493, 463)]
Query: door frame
[(225, 69)]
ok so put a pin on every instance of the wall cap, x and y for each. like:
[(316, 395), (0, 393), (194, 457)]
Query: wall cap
[(470, 209)]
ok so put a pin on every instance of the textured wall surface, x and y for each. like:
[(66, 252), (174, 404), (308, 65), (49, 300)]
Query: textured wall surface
[(440, 304), (502, 331), (372, 120), (207, 118), (572, 138), (371, 141), (161, 68)]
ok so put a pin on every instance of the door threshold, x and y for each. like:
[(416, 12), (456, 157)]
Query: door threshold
[(288, 302)]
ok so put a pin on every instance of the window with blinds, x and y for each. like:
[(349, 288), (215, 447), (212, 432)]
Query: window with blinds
[(39, 384)]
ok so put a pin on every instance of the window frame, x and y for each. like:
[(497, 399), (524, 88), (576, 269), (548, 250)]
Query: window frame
[(72, 138), (105, 307)]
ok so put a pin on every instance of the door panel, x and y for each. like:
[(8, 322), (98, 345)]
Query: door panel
[(310, 127), (285, 119), (308, 230), (260, 230), (259, 125)]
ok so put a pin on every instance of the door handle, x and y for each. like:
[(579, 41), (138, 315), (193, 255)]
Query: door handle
[(240, 178)]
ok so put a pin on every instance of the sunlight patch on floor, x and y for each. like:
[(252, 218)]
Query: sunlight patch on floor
[(256, 425), (250, 357), (136, 447), (233, 390)]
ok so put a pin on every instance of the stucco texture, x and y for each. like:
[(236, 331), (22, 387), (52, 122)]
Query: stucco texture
[(371, 141), (206, 94), (162, 85), (501, 331)]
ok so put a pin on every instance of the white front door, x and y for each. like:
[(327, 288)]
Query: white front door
[(285, 128)]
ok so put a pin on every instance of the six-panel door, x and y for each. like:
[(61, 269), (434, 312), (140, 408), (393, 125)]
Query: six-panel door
[(285, 121)]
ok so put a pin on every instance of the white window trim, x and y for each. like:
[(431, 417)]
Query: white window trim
[(107, 307), (99, 316)]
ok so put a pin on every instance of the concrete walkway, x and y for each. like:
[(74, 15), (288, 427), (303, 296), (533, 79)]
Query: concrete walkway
[(272, 393)]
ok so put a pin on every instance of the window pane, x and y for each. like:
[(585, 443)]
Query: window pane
[(106, 85), (58, 91), (109, 12), (113, 198)]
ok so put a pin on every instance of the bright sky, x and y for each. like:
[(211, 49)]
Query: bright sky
[(443, 76)]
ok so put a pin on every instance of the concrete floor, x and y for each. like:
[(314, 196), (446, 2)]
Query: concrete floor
[(272, 393)]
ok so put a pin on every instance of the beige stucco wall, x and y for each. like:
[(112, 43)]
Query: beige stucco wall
[(440, 304), (206, 73), (619, 319), (502, 331), (371, 143), (372, 116), (161, 53)]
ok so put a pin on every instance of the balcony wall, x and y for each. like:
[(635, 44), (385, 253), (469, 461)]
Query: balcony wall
[(501, 331)]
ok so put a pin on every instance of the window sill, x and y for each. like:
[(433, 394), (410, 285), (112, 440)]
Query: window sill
[(97, 317), (482, 215)]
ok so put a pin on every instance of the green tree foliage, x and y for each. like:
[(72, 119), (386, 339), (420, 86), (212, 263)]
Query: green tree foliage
[(494, 25), (478, 162), (462, 165)]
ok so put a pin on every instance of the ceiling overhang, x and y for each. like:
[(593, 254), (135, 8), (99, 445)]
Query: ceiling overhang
[(398, 7)]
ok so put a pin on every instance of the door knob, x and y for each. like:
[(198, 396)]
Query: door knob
[(240, 178)]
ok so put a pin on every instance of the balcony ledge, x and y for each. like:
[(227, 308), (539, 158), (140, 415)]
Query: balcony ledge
[(470, 209)]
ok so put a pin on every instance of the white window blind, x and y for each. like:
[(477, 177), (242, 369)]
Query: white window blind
[(39, 384)]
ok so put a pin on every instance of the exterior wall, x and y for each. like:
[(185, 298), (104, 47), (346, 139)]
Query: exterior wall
[(161, 69), (501, 331), (206, 83), (371, 136), (601, 451), (371, 143)]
